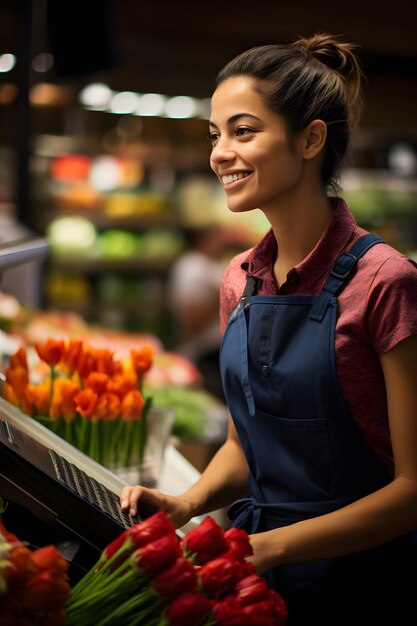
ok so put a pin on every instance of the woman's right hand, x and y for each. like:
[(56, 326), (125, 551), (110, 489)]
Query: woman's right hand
[(150, 501)]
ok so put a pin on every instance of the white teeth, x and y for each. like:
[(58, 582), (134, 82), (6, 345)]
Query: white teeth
[(230, 178)]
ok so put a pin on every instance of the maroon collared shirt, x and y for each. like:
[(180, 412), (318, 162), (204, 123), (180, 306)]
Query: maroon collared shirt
[(377, 309)]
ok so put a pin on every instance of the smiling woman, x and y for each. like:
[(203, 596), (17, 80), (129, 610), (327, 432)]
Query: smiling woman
[(320, 337)]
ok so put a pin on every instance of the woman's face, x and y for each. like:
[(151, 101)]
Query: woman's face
[(251, 154)]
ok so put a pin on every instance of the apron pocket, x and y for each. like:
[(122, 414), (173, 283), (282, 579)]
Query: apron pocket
[(298, 448)]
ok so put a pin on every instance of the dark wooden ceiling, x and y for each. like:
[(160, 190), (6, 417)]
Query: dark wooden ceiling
[(178, 47)]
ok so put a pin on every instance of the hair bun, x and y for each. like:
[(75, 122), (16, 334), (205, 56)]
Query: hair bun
[(339, 56)]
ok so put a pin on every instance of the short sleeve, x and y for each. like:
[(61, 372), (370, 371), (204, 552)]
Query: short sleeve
[(231, 288), (391, 308)]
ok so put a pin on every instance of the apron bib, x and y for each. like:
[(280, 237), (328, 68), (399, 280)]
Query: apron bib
[(306, 455)]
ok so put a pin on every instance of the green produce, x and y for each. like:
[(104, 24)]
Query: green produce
[(190, 406)]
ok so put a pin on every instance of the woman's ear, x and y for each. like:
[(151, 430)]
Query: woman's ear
[(314, 139)]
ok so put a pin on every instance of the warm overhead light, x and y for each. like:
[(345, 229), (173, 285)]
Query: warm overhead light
[(45, 94), (8, 93)]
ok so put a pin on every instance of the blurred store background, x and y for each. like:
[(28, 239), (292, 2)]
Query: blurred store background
[(103, 149)]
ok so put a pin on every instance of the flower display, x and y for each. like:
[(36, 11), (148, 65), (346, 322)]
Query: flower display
[(148, 575), (34, 586), (87, 396)]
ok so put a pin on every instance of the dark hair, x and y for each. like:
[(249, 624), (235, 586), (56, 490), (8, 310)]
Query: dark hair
[(312, 78)]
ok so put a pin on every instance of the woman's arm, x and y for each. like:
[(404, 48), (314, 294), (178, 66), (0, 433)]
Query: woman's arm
[(224, 479), (378, 517)]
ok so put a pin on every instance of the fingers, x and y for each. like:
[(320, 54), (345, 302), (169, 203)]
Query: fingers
[(149, 500), (129, 498)]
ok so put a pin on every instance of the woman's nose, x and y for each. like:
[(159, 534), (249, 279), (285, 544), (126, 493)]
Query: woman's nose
[(222, 152)]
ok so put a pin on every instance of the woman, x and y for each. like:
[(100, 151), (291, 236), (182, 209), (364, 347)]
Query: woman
[(318, 356)]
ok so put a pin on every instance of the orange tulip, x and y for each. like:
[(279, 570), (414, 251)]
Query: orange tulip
[(105, 362), (9, 394), (85, 402), (72, 354), (97, 382), (38, 396), (120, 385), (142, 360), (87, 362), (18, 377), (19, 359), (63, 399), (132, 405), (51, 351), (107, 407)]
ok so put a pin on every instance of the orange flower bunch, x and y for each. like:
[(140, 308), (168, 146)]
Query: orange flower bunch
[(90, 398), (34, 586)]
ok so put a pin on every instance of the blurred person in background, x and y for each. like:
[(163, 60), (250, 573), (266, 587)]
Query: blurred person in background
[(318, 355), (193, 297)]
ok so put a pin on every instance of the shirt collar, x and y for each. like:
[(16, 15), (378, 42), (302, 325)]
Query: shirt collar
[(318, 262)]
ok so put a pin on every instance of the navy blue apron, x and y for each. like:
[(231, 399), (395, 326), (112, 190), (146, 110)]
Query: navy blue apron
[(305, 453)]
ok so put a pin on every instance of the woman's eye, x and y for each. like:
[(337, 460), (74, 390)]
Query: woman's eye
[(213, 137), (242, 131)]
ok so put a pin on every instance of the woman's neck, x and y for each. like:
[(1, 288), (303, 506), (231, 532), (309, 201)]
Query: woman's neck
[(297, 229)]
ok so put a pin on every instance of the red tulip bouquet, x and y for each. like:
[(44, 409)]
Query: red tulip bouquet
[(86, 396), (148, 576), (34, 587)]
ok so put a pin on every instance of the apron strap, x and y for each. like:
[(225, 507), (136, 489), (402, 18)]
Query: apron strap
[(340, 272)]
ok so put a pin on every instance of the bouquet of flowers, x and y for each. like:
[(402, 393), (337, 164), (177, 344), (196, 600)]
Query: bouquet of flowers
[(34, 587), (86, 396), (149, 576)]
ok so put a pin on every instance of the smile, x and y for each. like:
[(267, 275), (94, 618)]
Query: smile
[(232, 178)]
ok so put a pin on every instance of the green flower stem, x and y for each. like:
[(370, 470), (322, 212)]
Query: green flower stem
[(118, 440), (124, 584), (106, 442), (151, 620), (127, 443), (68, 431), (51, 389), (102, 576), (126, 612)]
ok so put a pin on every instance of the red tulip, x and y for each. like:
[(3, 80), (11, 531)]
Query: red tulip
[(228, 612), (238, 542), (219, 575), (43, 590), (261, 614), (189, 608), (176, 579), (149, 530), (48, 557), (204, 542), (156, 556), (251, 589), (279, 607)]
